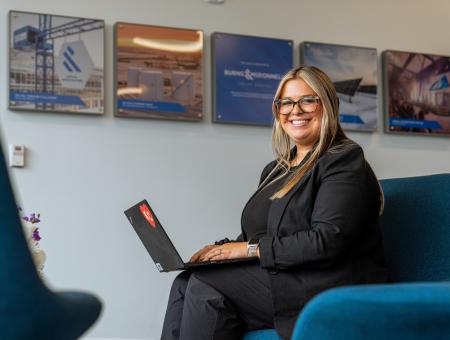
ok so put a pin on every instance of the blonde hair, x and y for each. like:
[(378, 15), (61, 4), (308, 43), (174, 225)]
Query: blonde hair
[(330, 130)]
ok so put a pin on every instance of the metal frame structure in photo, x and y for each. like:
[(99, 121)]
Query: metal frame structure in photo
[(56, 63)]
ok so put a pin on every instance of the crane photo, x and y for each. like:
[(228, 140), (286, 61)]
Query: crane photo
[(56, 63)]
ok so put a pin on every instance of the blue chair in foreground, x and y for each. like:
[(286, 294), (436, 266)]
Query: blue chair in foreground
[(416, 303), (28, 309)]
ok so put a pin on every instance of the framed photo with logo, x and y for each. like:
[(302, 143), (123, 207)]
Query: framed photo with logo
[(158, 72), (56, 63), (417, 93), (354, 72), (246, 73)]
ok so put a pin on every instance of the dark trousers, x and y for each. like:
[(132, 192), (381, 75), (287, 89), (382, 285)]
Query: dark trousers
[(218, 302)]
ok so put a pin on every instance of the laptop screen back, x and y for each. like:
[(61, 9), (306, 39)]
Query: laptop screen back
[(154, 237)]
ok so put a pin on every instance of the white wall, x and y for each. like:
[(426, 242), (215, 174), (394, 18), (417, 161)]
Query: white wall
[(84, 171)]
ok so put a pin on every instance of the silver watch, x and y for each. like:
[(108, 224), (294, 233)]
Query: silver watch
[(252, 247)]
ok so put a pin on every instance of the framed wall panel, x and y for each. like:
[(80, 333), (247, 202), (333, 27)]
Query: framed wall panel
[(56, 63), (158, 72), (353, 71), (417, 93), (246, 73)]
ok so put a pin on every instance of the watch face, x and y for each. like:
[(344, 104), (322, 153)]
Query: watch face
[(252, 252), (252, 247)]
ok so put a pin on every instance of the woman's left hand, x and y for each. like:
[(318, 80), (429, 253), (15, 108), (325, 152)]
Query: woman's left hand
[(232, 250)]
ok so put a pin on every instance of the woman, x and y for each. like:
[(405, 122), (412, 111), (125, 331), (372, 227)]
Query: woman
[(313, 223)]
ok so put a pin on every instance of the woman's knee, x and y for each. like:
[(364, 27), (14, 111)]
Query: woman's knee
[(198, 291), (180, 283)]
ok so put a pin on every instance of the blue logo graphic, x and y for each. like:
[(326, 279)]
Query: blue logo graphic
[(440, 84), (69, 63)]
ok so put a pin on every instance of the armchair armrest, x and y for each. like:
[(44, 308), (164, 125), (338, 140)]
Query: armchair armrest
[(412, 311)]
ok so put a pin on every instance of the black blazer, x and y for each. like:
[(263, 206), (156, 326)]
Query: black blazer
[(324, 233)]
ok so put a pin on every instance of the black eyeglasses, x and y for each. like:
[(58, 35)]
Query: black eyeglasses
[(306, 104)]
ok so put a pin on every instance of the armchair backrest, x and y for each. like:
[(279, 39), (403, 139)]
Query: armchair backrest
[(17, 270), (28, 309), (416, 227)]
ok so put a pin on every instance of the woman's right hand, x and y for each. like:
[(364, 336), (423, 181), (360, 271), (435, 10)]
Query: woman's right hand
[(196, 257)]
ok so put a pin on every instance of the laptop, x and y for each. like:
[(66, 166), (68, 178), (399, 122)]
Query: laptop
[(159, 245)]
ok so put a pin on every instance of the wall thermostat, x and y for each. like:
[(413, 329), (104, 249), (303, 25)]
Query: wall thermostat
[(17, 156)]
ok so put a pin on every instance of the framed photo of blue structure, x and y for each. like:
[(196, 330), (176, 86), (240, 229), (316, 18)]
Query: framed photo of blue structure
[(246, 73), (353, 70), (158, 72), (417, 93), (56, 63)]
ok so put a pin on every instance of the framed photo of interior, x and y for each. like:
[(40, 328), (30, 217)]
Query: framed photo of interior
[(56, 63), (417, 93), (158, 72), (353, 70), (246, 73)]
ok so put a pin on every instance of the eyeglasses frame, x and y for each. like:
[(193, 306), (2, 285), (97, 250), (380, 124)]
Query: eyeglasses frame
[(277, 103)]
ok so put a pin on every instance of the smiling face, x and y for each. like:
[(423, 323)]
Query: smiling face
[(302, 128)]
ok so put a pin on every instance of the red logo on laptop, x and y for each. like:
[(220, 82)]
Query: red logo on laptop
[(147, 214)]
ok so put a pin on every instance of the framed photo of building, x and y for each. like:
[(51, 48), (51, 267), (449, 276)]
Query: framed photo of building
[(353, 70), (158, 72), (417, 93), (246, 73), (56, 63)]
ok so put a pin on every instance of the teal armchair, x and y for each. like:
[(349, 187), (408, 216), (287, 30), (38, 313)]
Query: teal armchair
[(415, 304), (28, 309)]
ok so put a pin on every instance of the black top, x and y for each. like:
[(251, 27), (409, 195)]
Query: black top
[(256, 212)]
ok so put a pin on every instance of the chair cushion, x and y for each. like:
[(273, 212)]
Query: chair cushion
[(402, 311), (416, 227)]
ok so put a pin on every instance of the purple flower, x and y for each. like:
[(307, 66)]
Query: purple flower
[(36, 235), (32, 218)]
